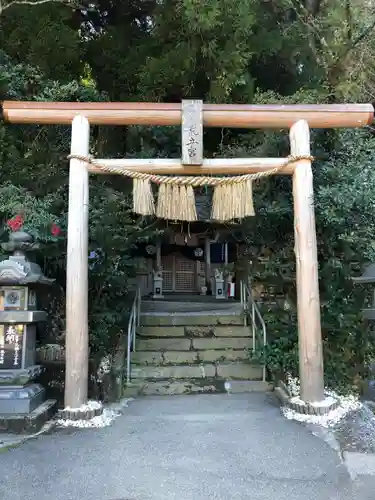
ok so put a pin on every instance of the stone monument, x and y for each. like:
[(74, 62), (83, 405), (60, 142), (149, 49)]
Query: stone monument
[(219, 284), (23, 405)]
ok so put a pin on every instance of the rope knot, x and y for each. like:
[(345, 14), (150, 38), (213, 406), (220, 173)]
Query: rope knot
[(87, 159), (295, 158)]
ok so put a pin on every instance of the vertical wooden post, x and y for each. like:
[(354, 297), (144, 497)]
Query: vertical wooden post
[(207, 259), (76, 374), (158, 254), (309, 328)]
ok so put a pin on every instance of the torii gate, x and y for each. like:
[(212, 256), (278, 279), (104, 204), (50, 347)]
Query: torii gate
[(298, 118)]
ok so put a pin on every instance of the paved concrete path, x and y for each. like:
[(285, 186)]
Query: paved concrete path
[(225, 447)]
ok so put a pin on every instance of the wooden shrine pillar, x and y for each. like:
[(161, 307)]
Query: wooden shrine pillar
[(309, 328), (77, 339), (158, 254)]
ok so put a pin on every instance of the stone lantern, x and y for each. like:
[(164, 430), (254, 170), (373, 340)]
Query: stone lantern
[(368, 278), (23, 407)]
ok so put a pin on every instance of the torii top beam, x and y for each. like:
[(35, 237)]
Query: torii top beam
[(214, 115)]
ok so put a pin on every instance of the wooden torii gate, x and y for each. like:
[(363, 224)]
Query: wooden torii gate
[(298, 118)]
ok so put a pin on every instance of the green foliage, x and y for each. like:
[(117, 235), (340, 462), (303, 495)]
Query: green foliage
[(344, 203), (114, 232), (43, 37), (38, 213), (280, 354), (34, 182), (219, 64)]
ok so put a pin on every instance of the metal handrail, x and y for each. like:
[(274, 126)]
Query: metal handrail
[(250, 308), (134, 322)]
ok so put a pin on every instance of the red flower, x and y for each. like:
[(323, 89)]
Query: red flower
[(55, 230), (16, 223)]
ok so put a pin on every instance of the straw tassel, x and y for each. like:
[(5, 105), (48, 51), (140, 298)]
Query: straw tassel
[(165, 209), (167, 202), (186, 204), (143, 198), (220, 203), (216, 202), (161, 209), (247, 201), (233, 201), (176, 202), (189, 200)]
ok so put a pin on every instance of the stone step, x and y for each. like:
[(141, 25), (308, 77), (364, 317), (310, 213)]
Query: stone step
[(197, 344), (239, 386), (159, 344), (235, 370), (194, 331), (239, 371), (185, 357), (161, 331), (176, 387), (170, 319)]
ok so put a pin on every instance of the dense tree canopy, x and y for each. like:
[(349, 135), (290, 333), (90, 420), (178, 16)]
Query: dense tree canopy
[(220, 51)]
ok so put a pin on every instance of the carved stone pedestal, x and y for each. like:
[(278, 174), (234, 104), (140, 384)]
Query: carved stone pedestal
[(22, 401), (28, 423), (18, 393)]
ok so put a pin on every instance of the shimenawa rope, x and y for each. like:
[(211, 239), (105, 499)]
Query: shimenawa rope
[(176, 201)]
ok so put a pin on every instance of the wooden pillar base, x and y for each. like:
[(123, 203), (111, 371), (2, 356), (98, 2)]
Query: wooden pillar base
[(81, 413), (303, 408)]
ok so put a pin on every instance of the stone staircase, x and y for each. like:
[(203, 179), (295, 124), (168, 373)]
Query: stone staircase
[(186, 351)]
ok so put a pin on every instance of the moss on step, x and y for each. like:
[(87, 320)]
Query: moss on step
[(169, 319), (235, 371), (166, 358), (170, 387), (199, 331)]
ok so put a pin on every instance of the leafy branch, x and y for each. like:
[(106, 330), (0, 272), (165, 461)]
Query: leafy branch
[(357, 40), (331, 53), (4, 6), (315, 37)]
